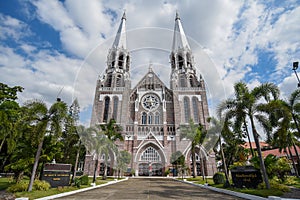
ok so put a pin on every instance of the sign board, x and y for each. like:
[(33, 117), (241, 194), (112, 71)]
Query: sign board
[(246, 176), (57, 174)]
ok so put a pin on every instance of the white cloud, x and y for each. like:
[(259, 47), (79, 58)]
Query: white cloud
[(225, 36)]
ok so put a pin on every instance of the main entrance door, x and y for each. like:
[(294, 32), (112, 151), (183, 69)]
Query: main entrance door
[(150, 163)]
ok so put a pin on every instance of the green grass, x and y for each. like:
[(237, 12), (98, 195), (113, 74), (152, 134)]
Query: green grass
[(260, 192), (4, 184), (292, 181)]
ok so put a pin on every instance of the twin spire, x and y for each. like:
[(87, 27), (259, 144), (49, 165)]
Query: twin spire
[(120, 40), (179, 38)]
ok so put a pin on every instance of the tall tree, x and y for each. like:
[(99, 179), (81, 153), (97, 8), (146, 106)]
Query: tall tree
[(40, 121), (194, 133), (113, 131), (9, 115), (245, 104)]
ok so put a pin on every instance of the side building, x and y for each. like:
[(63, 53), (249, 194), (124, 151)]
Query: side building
[(150, 112)]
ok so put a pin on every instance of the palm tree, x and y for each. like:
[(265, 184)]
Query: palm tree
[(113, 131), (192, 132), (246, 104), (41, 121), (280, 117), (216, 128)]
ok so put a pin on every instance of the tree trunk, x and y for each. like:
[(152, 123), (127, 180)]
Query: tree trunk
[(35, 165), (262, 164), (294, 165), (247, 132), (298, 159), (202, 166), (2, 142), (95, 171), (105, 172), (224, 163), (194, 161), (76, 162)]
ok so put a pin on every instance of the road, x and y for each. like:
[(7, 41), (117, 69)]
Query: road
[(150, 188)]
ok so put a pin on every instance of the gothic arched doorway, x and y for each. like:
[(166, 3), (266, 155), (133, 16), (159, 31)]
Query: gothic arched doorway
[(150, 162)]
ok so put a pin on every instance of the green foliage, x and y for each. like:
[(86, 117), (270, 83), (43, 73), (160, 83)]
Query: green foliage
[(275, 185), (274, 166), (77, 182), (167, 172), (18, 187), (9, 93), (291, 180), (84, 180), (219, 178), (41, 185)]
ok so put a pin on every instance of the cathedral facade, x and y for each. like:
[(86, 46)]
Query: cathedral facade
[(151, 113)]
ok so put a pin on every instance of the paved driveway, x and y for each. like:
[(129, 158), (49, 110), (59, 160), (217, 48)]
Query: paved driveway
[(150, 188)]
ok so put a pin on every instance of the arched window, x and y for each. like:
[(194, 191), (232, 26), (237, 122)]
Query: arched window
[(189, 60), (144, 118), (195, 110), (198, 158), (150, 154), (191, 79), (119, 79), (113, 58), (121, 61), (187, 114), (150, 118), (115, 109), (156, 118), (182, 81), (127, 63), (180, 61), (109, 80), (106, 109)]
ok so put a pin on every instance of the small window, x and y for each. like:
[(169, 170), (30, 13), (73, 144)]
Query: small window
[(144, 118)]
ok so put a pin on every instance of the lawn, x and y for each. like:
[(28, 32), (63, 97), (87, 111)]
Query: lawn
[(6, 182), (291, 181)]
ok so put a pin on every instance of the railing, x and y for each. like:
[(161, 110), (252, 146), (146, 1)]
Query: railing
[(188, 89), (156, 129), (121, 89)]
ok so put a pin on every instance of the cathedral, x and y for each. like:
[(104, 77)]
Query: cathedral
[(151, 113)]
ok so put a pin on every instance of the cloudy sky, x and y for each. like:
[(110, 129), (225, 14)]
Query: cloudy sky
[(58, 48)]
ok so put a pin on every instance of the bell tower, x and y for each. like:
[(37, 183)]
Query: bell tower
[(111, 96), (183, 73)]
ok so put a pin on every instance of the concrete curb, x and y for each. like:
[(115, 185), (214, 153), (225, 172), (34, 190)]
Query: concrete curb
[(81, 190), (232, 193)]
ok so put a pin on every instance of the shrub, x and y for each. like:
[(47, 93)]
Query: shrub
[(219, 178), (41, 185), (84, 180), (77, 182), (275, 185), (18, 187)]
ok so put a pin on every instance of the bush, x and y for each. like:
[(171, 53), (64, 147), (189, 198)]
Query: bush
[(84, 180), (41, 185), (77, 182), (274, 185), (18, 187), (219, 178)]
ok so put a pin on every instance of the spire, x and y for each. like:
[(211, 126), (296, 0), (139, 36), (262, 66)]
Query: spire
[(120, 40), (179, 38)]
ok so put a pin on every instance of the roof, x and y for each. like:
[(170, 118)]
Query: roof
[(179, 38), (262, 145), (120, 40)]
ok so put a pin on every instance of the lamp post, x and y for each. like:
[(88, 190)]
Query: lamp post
[(295, 67)]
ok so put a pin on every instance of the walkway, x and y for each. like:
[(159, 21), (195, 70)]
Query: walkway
[(150, 188)]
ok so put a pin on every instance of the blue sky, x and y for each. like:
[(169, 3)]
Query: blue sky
[(59, 48)]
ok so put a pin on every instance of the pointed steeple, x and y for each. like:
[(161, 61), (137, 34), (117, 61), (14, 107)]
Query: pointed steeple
[(120, 40), (179, 38)]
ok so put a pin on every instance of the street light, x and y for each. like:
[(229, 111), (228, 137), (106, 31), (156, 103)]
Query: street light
[(295, 67)]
